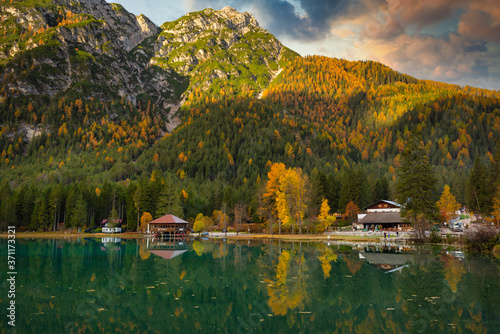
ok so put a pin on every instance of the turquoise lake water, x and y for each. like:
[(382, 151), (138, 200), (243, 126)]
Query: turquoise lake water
[(143, 286)]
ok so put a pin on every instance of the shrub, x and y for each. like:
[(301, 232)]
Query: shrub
[(435, 238), (483, 238)]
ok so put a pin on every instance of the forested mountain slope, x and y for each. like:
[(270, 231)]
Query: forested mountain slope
[(91, 96)]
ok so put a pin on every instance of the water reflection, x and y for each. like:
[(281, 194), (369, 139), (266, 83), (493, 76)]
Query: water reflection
[(103, 285)]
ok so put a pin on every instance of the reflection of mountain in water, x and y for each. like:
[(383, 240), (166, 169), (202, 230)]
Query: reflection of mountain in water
[(166, 249)]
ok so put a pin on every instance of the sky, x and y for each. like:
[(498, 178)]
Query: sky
[(453, 41)]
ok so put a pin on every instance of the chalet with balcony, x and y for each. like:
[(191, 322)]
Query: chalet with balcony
[(382, 215)]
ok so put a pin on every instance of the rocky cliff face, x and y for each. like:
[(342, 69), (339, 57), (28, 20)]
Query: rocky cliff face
[(82, 48), (93, 49)]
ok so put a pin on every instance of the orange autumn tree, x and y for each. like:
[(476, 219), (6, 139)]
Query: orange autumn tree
[(270, 206), (351, 211), (146, 218)]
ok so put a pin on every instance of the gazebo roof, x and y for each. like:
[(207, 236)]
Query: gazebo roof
[(169, 219)]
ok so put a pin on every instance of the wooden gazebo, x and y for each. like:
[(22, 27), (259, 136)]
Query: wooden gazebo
[(168, 226)]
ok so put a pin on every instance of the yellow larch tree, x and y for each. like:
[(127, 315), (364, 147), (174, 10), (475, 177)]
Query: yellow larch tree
[(447, 204)]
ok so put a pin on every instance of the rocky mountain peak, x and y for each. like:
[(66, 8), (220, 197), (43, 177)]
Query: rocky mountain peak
[(197, 36), (210, 19)]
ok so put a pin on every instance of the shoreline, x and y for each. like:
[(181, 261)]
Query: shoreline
[(216, 235), (58, 235)]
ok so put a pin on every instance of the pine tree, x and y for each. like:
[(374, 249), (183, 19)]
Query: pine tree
[(381, 189), (495, 168), (479, 189), (169, 201), (78, 214), (415, 186)]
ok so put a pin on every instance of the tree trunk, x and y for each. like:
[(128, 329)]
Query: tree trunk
[(138, 218)]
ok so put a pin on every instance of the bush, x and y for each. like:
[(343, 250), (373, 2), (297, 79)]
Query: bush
[(451, 239), (482, 239), (254, 228), (435, 238)]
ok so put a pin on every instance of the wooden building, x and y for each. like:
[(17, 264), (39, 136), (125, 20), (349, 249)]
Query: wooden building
[(109, 226), (168, 226), (382, 215), (383, 206)]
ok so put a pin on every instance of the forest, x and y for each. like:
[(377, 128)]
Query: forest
[(337, 127)]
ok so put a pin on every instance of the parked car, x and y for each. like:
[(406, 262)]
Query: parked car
[(457, 226)]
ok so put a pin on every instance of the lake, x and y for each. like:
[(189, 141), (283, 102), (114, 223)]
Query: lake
[(144, 286)]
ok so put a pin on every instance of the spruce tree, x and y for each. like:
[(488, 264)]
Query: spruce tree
[(381, 189), (479, 189), (169, 201), (416, 186)]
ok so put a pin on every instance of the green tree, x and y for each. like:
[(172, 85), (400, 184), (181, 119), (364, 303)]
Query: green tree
[(415, 186), (77, 216), (495, 167), (169, 201), (354, 188), (381, 189), (479, 189)]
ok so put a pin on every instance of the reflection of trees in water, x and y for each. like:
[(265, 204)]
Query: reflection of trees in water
[(289, 290), (453, 270), (353, 262), (198, 290), (430, 304), (326, 257)]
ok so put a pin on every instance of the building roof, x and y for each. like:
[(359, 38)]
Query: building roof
[(106, 221), (384, 201), (381, 218), (169, 219)]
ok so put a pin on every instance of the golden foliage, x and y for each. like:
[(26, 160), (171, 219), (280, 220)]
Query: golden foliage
[(448, 204)]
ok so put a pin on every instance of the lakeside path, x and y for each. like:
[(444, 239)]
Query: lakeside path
[(213, 235), (62, 235)]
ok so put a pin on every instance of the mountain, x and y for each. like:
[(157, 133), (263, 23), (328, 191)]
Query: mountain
[(221, 48), (89, 48), (99, 107), (84, 49)]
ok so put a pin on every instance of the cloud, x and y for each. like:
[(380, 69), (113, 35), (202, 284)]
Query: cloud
[(424, 12), (456, 59), (307, 20), (480, 25)]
